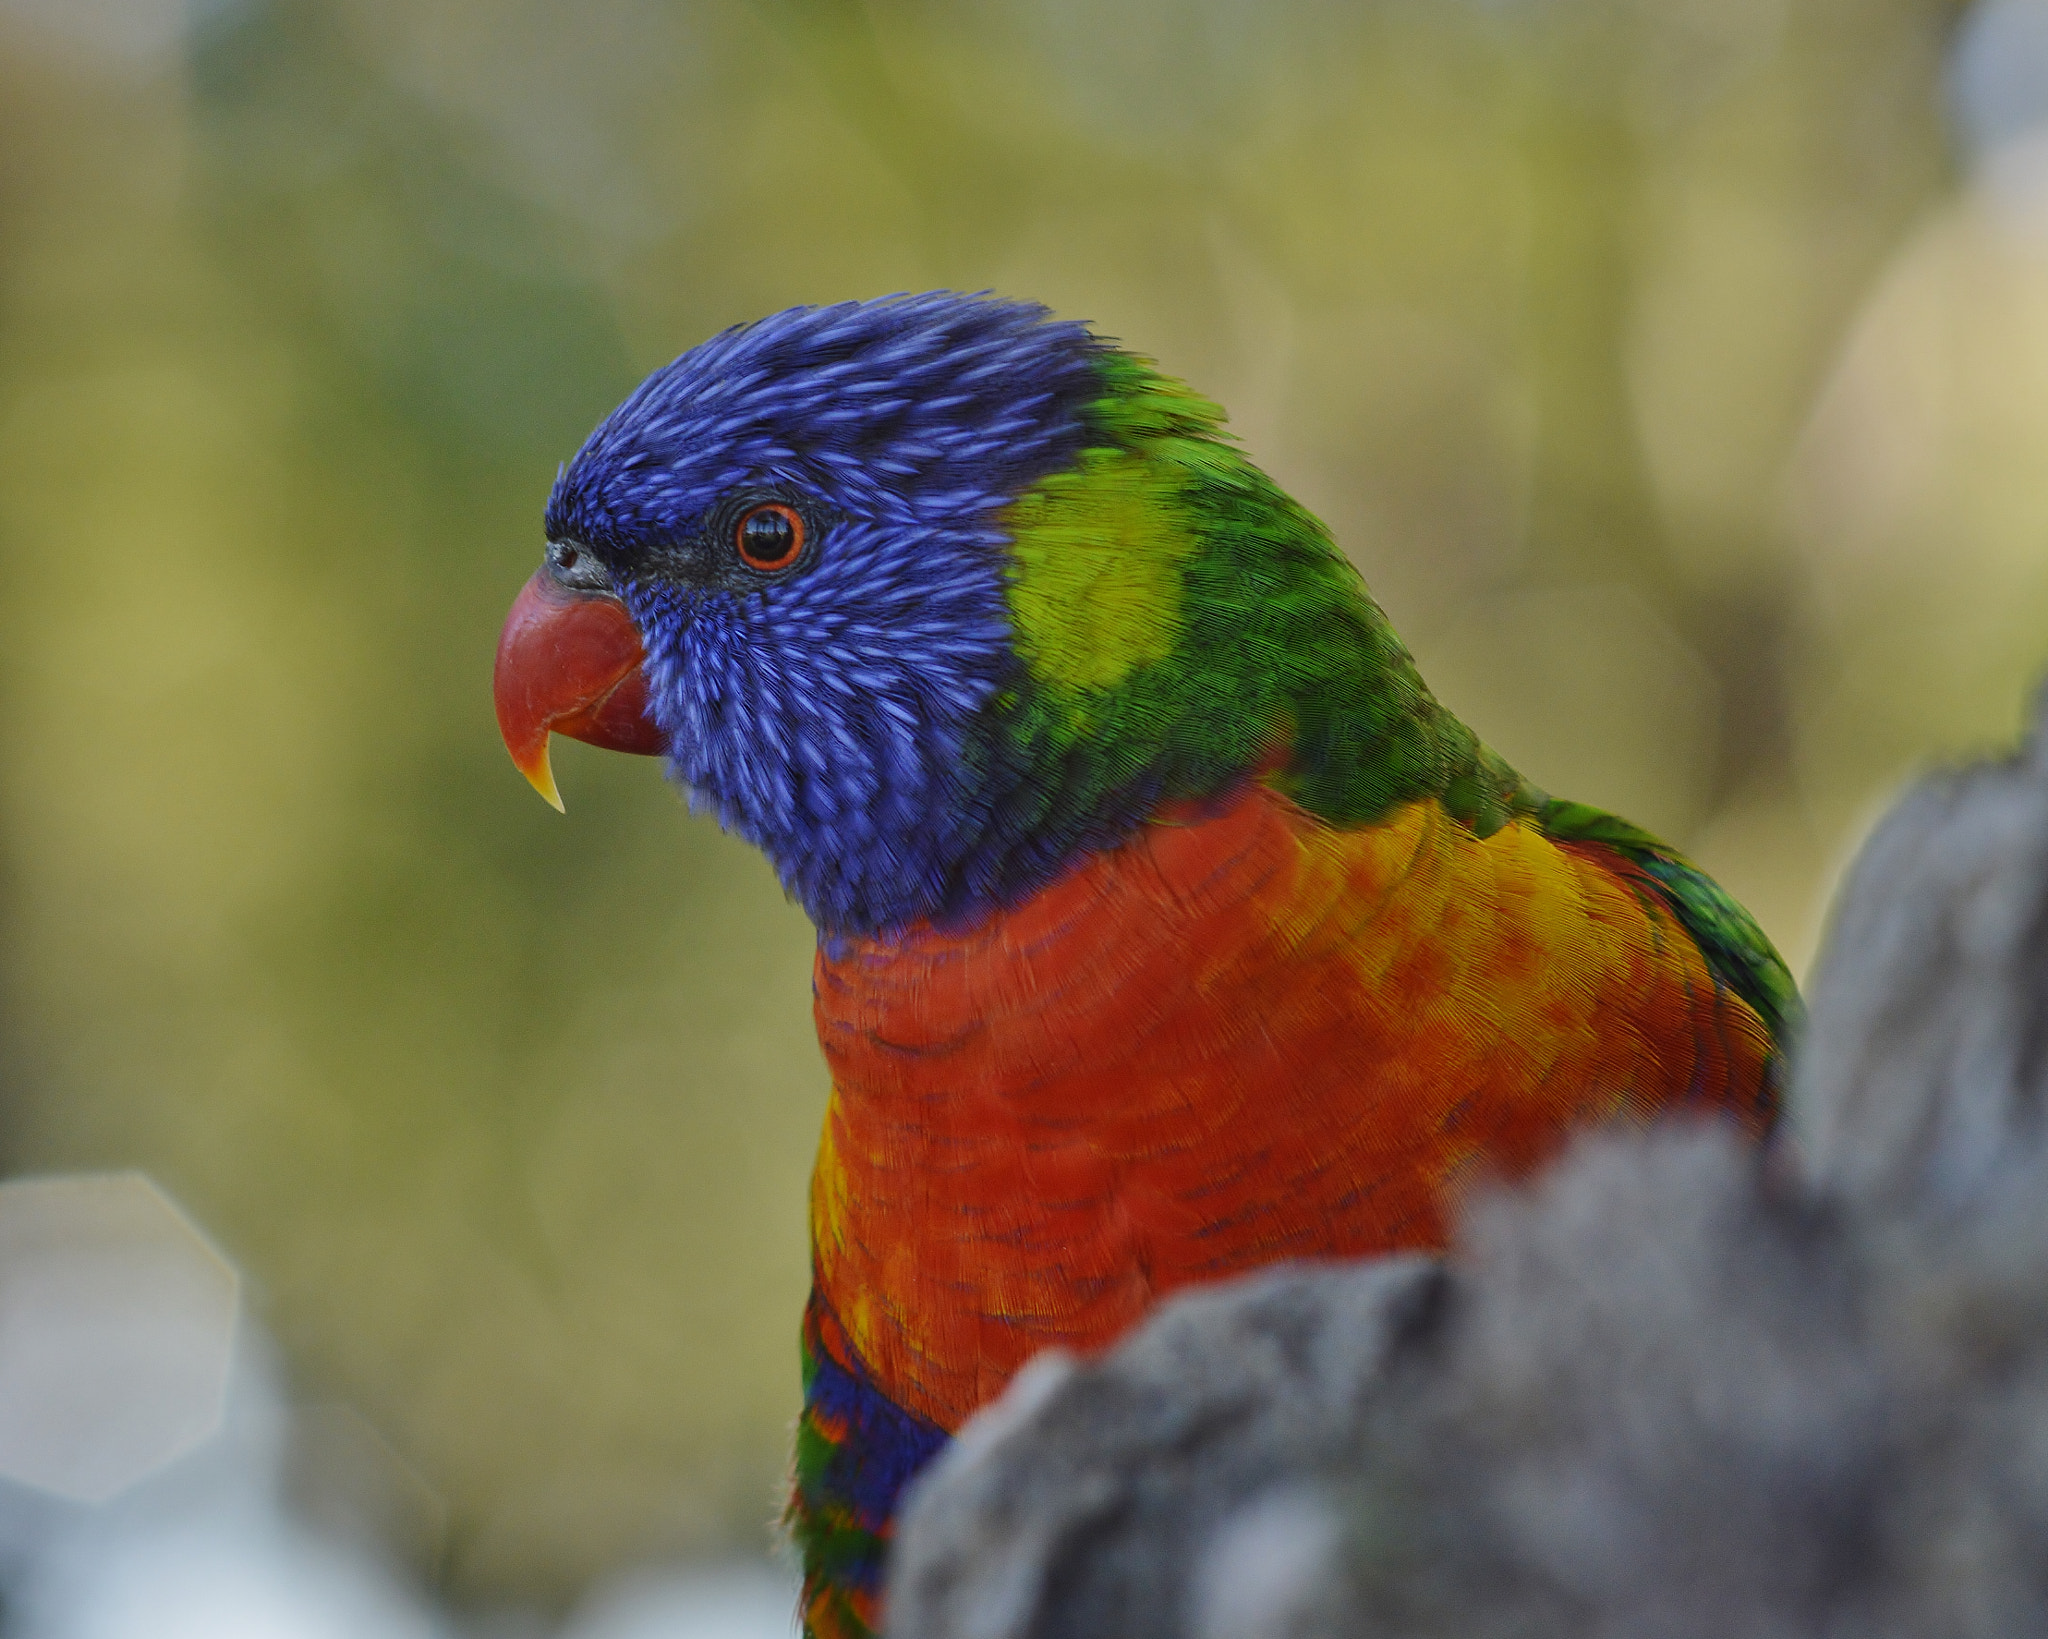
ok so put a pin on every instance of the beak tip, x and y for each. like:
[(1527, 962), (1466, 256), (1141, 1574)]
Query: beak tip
[(540, 774)]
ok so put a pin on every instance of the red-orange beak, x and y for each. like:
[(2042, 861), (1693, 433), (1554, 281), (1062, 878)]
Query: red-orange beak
[(569, 663)]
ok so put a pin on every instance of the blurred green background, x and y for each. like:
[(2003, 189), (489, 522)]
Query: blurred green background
[(1676, 377)]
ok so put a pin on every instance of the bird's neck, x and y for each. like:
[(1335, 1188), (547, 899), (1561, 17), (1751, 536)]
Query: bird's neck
[(1178, 627), (1360, 741)]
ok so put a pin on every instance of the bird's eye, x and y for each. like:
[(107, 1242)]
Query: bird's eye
[(770, 537)]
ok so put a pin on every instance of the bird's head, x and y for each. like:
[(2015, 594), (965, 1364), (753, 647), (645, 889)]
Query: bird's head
[(922, 596)]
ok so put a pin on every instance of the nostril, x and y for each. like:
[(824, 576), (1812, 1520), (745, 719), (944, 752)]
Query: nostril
[(574, 565)]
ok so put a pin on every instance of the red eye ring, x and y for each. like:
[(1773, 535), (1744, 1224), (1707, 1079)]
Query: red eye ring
[(769, 537)]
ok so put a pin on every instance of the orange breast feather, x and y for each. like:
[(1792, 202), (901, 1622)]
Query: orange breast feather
[(1238, 1039)]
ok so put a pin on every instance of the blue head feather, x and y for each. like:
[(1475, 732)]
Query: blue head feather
[(830, 716)]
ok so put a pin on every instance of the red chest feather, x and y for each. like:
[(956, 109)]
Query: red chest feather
[(1228, 1042)]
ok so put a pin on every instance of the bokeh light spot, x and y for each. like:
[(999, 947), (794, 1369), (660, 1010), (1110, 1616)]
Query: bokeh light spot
[(117, 1319)]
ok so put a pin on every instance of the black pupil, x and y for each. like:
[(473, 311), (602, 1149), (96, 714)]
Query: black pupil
[(766, 536)]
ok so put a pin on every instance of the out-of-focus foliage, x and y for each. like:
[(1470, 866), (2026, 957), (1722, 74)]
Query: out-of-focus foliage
[(1680, 398)]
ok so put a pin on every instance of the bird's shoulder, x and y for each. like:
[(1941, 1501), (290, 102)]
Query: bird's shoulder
[(1737, 950)]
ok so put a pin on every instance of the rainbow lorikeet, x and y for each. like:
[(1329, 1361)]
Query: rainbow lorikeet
[(1167, 925)]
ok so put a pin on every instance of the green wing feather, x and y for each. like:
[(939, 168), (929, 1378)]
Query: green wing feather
[(1738, 951)]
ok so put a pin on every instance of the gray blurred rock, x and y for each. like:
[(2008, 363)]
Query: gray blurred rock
[(1062, 1494), (1925, 1063), (1674, 1388)]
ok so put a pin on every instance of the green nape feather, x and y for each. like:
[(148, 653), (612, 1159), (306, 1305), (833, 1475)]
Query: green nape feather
[(1180, 616)]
